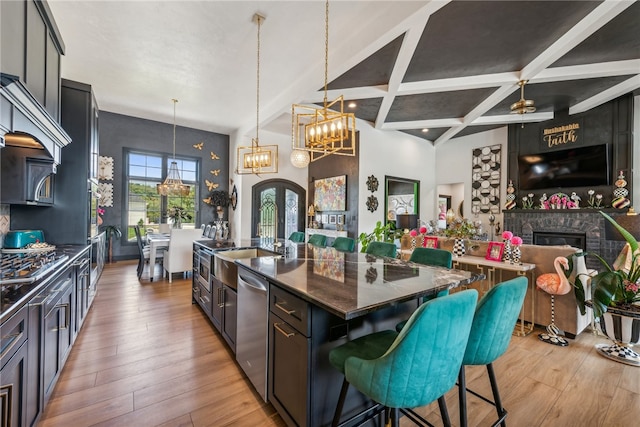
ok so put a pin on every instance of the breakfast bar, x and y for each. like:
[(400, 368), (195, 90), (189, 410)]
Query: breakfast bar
[(321, 299)]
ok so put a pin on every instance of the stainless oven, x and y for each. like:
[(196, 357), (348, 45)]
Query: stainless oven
[(204, 265)]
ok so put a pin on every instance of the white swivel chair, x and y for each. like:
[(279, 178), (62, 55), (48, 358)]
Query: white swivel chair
[(178, 258), (164, 228)]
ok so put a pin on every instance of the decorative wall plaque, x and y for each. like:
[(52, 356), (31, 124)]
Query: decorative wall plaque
[(485, 180), (105, 168), (106, 194)]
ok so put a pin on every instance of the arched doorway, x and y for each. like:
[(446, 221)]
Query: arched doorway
[(281, 200)]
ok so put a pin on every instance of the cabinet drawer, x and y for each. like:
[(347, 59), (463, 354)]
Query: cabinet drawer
[(290, 308), (203, 297), (14, 333)]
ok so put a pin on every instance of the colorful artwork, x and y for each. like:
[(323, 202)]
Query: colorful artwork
[(331, 193)]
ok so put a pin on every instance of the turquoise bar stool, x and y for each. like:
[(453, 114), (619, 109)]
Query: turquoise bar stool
[(493, 323), (318, 240), (414, 367), (430, 256), (382, 249), (344, 244), (297, 237)]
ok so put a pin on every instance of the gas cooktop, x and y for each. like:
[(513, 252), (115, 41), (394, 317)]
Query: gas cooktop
[(27, 267)]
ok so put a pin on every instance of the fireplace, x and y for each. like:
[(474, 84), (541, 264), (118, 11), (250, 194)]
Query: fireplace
[(577, 240)]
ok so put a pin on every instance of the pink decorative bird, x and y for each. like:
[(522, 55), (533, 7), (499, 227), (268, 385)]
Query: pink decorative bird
[(555, 283)]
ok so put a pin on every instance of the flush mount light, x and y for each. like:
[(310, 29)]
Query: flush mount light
[(257, 159), (326, 130), (172, 185), (352, 105), (425, 130)]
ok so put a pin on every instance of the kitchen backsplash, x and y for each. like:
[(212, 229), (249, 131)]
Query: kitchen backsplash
[(4, 222)]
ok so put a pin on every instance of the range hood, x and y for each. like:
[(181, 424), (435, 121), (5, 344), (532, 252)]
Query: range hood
[(25, 123)]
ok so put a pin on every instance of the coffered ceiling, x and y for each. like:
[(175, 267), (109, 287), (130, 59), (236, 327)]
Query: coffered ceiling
[(449, 67)]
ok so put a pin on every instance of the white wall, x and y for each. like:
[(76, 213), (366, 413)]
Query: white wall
[(454, 165), (394, 154)]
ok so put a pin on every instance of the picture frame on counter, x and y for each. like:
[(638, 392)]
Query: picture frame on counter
[(494, 251), (430, 242)]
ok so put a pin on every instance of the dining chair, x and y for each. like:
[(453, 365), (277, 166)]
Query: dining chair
[(144, 251), (206, 231), (412, 368), (344, 244), (164, 228), (318, 240), (178, 258), (382, 249), (297, 237), (491, 331)]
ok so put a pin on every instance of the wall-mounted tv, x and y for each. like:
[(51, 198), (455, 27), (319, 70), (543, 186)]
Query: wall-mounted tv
[(575, 167)]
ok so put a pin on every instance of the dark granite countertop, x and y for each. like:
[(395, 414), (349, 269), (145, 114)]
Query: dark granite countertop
[(350, 285), (22, 294)]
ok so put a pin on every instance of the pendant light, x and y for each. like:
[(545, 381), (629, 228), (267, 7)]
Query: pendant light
[(326, 130), (257, 159), (172, 185)]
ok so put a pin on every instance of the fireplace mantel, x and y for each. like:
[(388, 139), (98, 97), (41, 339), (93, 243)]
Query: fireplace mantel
[(524, 222)]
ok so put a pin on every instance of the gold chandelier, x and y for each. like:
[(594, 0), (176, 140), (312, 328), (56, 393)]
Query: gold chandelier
[(326, 130), (257, 159), (172, 185), (523, 106)]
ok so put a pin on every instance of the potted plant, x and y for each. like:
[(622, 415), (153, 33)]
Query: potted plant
[(177, 215), (220, 199), (386, 233), (111, 232), (615, 299)]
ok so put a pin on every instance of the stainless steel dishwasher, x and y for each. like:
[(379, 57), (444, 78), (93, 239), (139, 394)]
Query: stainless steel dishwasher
[(253, 328)]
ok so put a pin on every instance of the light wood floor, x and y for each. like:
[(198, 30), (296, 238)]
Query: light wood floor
[(147, 357)]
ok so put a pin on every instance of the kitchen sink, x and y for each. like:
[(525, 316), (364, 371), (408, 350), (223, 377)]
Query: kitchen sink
[(225, 268)]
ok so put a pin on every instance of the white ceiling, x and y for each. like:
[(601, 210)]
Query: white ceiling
[(138, 55)]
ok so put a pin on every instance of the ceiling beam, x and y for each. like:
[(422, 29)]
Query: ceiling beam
[(620, 89)]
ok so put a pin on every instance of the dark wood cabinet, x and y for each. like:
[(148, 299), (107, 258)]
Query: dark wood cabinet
[(13, 370), (217, 302), (82, 290), (57, 332), (229, 316)]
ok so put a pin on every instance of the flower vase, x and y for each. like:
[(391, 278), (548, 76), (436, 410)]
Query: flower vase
[(623, 328), (515, 255), (99, 221), (220, 213), (177, 223), (459, 247), (506, 254)]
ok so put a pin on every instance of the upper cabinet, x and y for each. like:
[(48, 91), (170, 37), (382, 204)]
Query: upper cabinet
[(30, 48)]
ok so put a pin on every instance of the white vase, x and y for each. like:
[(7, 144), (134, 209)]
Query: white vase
[(623, 328)]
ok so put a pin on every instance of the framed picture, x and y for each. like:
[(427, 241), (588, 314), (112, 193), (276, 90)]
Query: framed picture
[(331, 193), (340, 219), (430, 242), (494, 251), (325, 218), (332, 219)]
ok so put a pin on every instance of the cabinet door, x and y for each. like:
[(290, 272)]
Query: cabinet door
[(230, 320), (50, 360), (13, 391), (217, 298), (288, 370), (66, 318)]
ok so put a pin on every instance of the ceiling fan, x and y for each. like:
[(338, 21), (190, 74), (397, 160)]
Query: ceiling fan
[(523, 106)]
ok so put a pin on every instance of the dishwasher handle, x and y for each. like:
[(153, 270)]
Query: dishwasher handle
[(252, 283)]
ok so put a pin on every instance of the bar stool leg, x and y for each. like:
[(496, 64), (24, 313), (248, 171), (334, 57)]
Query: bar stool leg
[(462, 397), (340, 405), (496, 395)]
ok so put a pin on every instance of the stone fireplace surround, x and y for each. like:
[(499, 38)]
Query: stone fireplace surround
[(524, 222)]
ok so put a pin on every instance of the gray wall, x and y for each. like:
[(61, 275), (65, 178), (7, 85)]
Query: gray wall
[(119, 133)]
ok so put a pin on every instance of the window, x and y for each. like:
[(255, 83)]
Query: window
[(144, 206)]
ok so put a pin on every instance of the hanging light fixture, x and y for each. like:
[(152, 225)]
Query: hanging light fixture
[(326, 130), (257, 159), (523, 106), (172, 185)]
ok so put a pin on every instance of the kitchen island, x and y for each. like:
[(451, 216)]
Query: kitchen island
[(319, 298)]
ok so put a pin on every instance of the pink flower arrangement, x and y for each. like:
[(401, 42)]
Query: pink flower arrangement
[(516, 240), (100, 211), (413, 233), (507, 235), (423, 230)]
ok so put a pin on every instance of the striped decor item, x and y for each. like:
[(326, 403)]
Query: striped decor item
[(625, 332)]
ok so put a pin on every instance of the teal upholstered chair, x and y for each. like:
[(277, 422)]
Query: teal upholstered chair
[(432, 256), (344, 244), (318, 240), (382, 249), (297, 237), (493, 323), (414, 367)]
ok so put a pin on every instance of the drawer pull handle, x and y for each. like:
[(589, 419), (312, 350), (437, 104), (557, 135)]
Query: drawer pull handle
[(282, 331), (15, 338), (289, 312)]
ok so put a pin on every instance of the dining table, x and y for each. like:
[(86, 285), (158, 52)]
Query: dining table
[(156, 241)]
